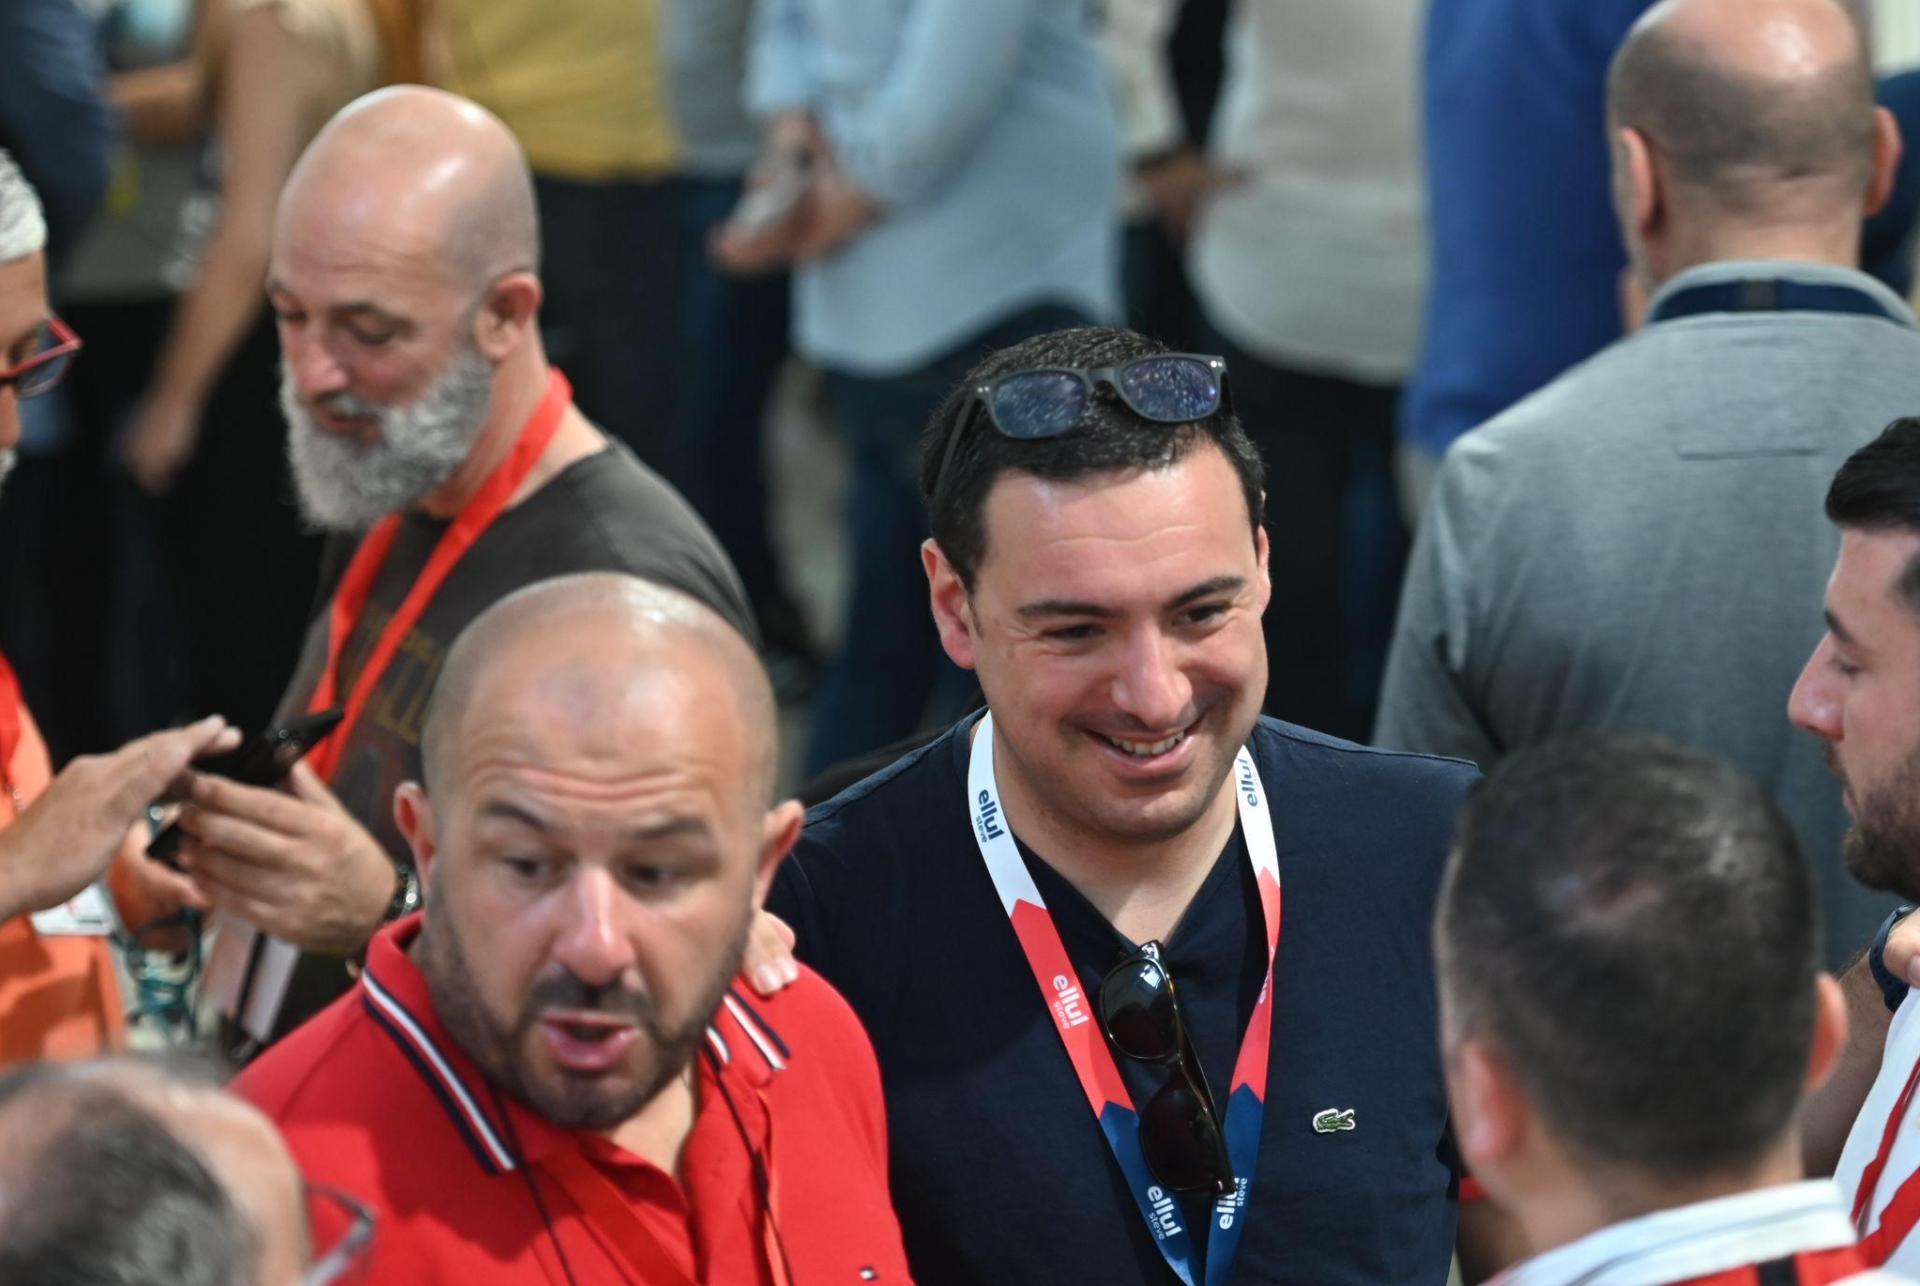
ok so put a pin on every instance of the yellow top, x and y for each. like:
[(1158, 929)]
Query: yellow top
[(579, 82)]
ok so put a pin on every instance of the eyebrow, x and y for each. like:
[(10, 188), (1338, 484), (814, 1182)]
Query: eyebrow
[(1100, 611), (673, 828), (276, 287)]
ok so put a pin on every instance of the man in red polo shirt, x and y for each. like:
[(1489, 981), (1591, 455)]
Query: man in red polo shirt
[(549, 1075)]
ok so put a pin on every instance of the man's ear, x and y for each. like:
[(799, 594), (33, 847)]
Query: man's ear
[(1262, 552), (778, 835), (1645, 196), (413, 814), (507, 315), (1490, 1113), (952, 605), (1829, 1031), (1886, 160)]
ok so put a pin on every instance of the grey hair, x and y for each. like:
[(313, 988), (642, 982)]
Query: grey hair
[(23, 228)]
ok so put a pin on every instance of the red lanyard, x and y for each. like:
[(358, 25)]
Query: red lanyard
[(10, 721), (350, 599), (1904, 1210)]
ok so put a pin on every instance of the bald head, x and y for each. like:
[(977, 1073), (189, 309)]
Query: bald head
[(595, 642), (440, 173), (1764, 107)]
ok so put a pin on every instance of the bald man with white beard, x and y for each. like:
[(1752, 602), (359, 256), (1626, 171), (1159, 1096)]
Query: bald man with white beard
[(428, 432)]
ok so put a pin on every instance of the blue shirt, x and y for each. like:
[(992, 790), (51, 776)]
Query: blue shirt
[(985, 131), (1526, 253), (1000, 1172), (54, 116)]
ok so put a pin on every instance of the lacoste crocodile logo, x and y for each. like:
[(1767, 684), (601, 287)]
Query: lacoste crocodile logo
[(1333, 1120)]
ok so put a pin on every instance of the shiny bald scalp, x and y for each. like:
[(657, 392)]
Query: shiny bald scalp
[(411, 143), (1747, 97), (641, 624)]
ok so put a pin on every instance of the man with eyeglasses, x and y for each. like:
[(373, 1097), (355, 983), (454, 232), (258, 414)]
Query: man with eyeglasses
[(143, 1170), (1628, 1086), (429, 434), (1146, 973), (59, 834), (549, 1074)]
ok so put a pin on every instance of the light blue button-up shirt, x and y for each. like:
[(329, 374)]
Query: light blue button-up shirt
[(985, 131)]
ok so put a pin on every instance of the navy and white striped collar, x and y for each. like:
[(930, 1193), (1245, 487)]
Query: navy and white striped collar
[(394, 994)]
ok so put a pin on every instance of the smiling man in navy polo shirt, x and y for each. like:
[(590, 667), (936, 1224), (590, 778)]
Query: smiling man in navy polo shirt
[(1013, 909)]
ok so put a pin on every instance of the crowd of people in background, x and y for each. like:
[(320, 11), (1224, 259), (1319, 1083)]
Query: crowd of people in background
[(1372, 734)]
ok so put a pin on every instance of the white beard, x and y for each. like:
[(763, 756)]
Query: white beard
[(345, 486)]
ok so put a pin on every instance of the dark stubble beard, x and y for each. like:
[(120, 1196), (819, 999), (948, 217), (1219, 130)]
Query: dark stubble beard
[(1882, 848), (568, 1101)]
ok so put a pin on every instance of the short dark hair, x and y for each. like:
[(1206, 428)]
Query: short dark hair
[(115, 1198), (1878, 489), (1632, 926), (1113, 438), (1732, 133)]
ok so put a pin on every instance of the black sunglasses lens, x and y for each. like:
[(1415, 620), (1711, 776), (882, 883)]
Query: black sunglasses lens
[(1136, 1005), (1037, 404), (1170, 390), (1181, 1140)]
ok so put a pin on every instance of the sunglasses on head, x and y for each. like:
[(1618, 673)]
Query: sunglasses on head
[(1162, 388), (1179, 1128), (53, 351)]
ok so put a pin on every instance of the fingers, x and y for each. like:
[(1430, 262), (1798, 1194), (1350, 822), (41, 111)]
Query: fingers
[(233, 837), (266, 808), (768, 964), (308, 787), (226, 881), (144, 769)]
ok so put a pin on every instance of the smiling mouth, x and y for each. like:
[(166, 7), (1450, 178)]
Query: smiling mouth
[(1145, 749)]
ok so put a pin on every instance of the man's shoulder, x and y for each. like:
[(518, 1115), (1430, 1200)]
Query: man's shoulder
[(325, 1065), (610, 512), (810, 1024), (1314, 762), (897, 795)]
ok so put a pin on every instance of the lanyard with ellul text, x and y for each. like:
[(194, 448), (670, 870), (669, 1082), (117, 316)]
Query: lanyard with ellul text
[(356, 586), (1081, 1033)]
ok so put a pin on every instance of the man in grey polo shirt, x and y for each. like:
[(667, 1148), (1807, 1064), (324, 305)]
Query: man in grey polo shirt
[(1634, 545)]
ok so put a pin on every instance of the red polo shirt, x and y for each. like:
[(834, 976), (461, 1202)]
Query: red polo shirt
[(470, 1186)]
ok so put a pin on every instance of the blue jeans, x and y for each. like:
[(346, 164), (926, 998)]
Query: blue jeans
[(609, 261), (890, 673), (732, 341)]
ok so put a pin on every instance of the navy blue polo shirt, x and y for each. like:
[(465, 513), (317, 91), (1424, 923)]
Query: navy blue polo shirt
[(1000, 1172)]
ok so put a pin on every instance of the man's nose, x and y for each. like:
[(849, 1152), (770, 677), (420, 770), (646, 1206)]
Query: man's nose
[(315, 373), (1151, 686), (1814, 703), (593, 943)]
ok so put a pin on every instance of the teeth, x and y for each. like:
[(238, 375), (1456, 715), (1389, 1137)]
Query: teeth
[(1146, 749)]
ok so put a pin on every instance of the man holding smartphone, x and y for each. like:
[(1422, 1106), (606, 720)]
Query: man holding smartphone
[(59, 833), (429, 433)]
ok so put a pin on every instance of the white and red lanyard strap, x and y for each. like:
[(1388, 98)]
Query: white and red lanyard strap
[(356, 586), (1903, 1211), (1086, 1047)]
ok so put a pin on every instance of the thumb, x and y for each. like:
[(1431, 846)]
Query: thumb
[(306, 785), (145, 768)]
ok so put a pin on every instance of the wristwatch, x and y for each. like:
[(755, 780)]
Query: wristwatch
[(1892, 990)]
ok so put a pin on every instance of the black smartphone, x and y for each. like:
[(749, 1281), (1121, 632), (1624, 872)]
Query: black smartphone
[(258, 761)]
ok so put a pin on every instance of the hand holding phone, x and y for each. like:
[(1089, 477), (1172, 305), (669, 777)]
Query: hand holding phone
[(262, 760)]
